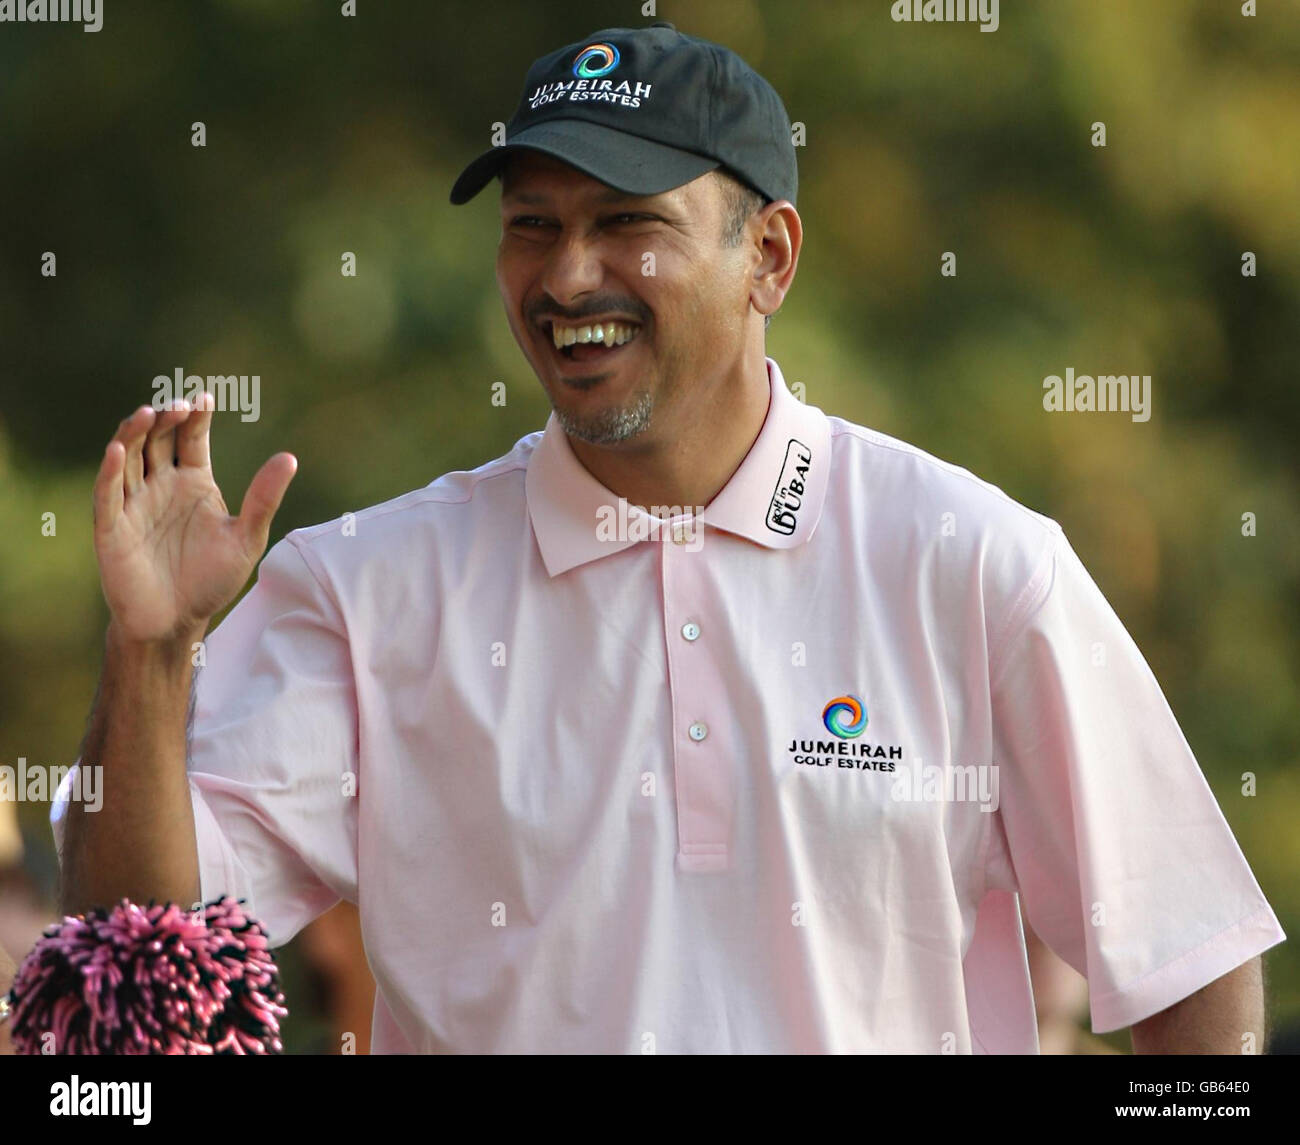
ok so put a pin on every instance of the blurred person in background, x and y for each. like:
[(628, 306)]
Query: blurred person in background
[(1060, 1001), (335, 953), (23, 912), (23, 916)]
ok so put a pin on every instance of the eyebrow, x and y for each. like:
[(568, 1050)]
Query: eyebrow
[(534, 199)]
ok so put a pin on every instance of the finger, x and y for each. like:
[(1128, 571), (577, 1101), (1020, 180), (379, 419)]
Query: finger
[(132, 435), (192, 433), (106, 497), (265, 492), (160, 445)]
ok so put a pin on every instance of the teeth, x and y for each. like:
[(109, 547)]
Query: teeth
[(607, 334)]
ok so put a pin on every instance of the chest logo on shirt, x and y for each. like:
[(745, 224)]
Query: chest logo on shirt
[(787, 498), (845, 717)]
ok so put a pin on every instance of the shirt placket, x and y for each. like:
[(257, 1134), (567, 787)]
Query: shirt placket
[(703, 753)]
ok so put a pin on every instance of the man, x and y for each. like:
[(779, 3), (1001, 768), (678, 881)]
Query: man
[(699, 722)]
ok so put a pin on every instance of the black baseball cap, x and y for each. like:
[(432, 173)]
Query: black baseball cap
[(646, 110)]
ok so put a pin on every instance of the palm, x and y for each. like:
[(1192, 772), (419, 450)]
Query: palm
[(170, 554), (173, 556)]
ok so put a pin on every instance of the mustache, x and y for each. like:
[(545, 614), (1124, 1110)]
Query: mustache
[(550, 314)]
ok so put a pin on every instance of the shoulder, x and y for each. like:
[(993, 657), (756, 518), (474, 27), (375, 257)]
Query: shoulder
[(947, 524), (905, 481), (446, 516)]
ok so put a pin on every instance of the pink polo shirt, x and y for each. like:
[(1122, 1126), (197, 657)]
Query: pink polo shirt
[(772, 785)]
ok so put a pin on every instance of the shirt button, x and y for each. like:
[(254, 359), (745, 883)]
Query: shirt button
[(698, 731), (691, 630)]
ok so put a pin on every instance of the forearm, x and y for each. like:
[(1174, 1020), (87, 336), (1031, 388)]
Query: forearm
[(1214, 1020), (140, 843)]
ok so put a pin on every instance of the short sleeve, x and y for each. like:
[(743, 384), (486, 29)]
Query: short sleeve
[(1108, 830), (273, 754), (273, 750)]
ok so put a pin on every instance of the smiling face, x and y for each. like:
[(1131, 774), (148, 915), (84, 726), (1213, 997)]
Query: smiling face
[(575, 251)]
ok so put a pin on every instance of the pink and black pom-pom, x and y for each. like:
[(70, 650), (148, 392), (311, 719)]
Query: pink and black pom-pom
[(150, 980)]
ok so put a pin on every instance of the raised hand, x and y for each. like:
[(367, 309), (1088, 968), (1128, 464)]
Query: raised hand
[(170, 554)]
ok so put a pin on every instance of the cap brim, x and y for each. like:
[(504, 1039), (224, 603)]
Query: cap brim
[(626, 162)]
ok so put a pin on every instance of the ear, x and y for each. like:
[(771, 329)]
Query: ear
[(780, 237)]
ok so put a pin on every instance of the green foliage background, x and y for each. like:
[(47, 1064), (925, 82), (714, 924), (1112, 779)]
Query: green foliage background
[(328, 134)]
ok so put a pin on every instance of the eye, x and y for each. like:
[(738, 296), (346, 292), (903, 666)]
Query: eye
[(633, 216), (521, 220)]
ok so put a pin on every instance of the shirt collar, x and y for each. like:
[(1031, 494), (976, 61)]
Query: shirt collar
[(774, 499)]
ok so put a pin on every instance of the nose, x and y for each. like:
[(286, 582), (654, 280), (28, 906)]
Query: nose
[(573, 268)]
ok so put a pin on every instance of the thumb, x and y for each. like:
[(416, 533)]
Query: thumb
[(265, 492)]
